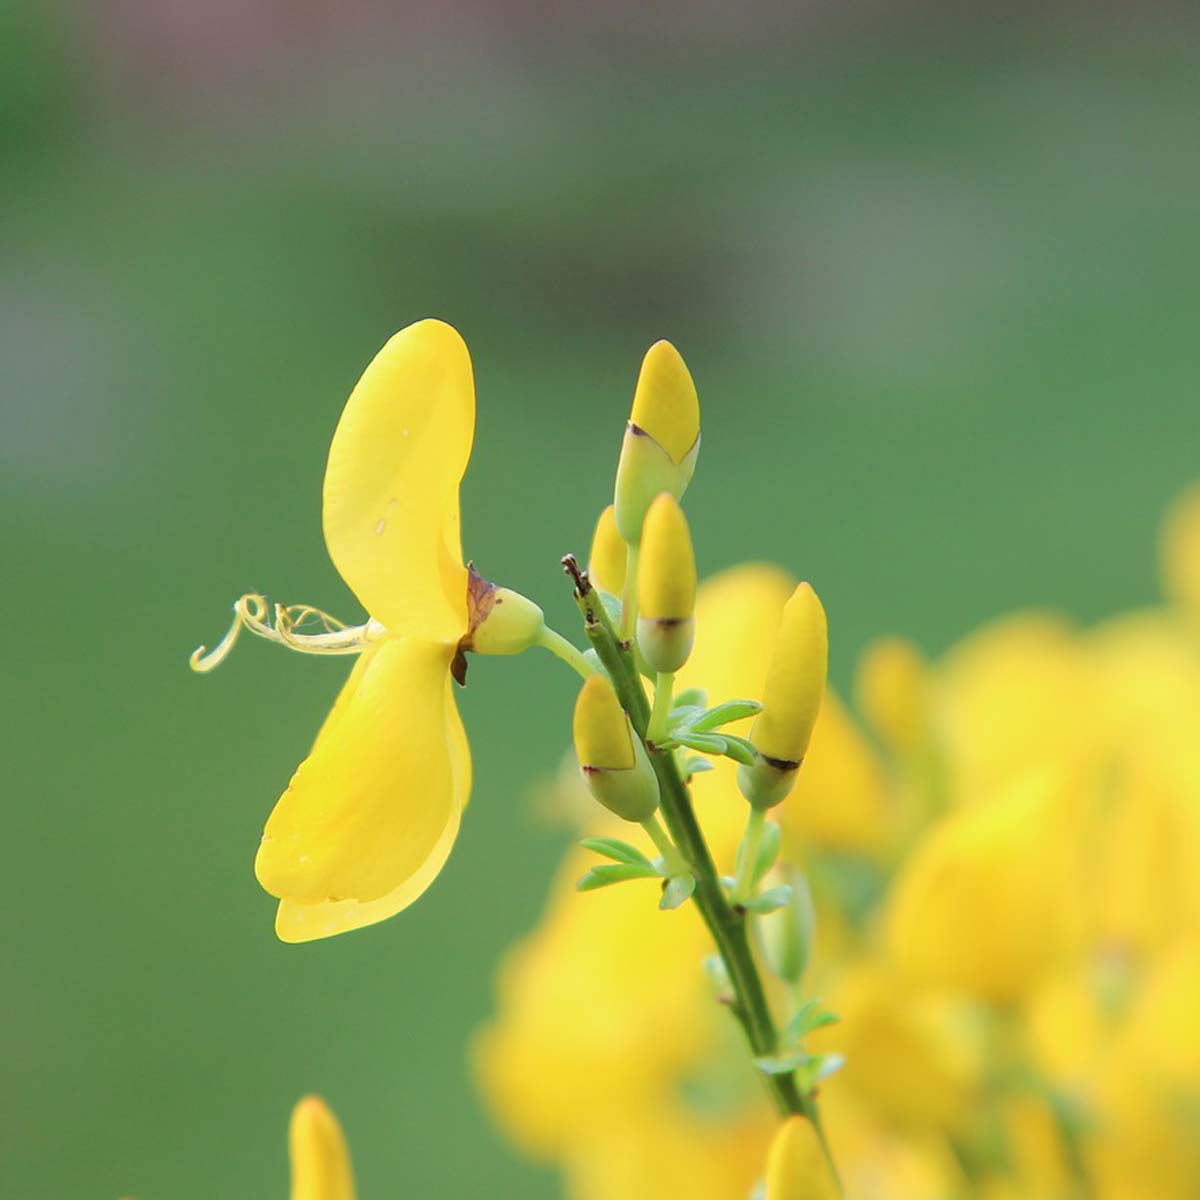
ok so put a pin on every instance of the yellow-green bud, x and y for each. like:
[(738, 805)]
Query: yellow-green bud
[(662, 438), (501, 621), (613, 760), (606, 566), (787, 933), (666, 587), (796, 1166), (791, 700)]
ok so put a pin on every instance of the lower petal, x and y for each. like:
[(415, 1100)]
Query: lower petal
[(377, 800)]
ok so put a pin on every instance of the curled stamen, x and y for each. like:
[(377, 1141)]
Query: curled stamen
[(251, 612)]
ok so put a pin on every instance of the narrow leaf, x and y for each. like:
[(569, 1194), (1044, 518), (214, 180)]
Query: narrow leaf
[(769, 900), (695, 765), (684, 716), (738, 748), (605, 876), (678, 889), (781, 1064), (723, 714), (692, 697), (707, 743), (614, 848)]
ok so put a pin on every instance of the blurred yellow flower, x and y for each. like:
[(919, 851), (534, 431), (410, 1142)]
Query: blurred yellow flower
[(1007, 896)]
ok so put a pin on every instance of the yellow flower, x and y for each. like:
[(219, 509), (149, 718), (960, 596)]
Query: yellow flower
[(321, 1167), (980, 904), (369, 817)]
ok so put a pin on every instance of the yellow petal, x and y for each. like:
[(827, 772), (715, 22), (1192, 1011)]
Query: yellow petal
[(370, 806), (796, 1168), (321, 1167), (296, 922), (391, 483)]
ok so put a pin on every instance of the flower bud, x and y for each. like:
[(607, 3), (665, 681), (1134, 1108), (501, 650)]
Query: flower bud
[(662, 438), (666, 587), (320, 1161), (892, 687), (787, 933), (796, 1166), (791, 700), (612, 758), (606, 566), (501, 621)]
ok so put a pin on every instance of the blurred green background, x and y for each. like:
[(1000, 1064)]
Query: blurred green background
[(936, 281)]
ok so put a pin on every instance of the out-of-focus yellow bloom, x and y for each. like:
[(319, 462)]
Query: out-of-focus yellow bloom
[(666, 587), (910, 1056), (892, 690), (1015, 960), (979, 906), (606, 564), (662, 439), (321, 1167), (369, 817), (796, 1167)]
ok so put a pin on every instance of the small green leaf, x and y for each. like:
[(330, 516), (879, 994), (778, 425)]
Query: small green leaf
[(605, 876), (695, 765), (768, 850), (692, 698), (769, 901), (678, 889), (614, 848), (738, 748), (683, 716), (707, 743), (818, 1067), (723, 714), (781, 1064), (809, 1016)]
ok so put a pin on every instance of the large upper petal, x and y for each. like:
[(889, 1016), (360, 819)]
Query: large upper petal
[(374, 807), (391, 484)]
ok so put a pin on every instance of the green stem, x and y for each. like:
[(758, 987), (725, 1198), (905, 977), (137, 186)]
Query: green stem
[(664, 685), (725, 923), (629, 594), (743, 884), (673, 860), (561, 648)]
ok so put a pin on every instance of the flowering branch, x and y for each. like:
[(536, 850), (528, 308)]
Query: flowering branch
[(726, 923)]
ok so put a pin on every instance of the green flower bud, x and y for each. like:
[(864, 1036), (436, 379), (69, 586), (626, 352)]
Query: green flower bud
[(662, 439), (501, 621), (614, 762)]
